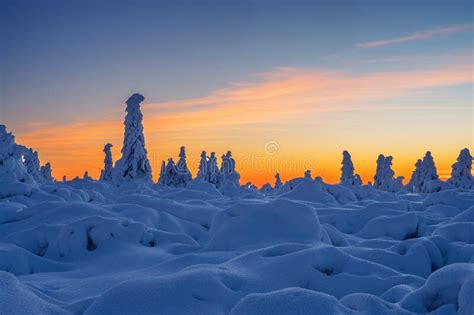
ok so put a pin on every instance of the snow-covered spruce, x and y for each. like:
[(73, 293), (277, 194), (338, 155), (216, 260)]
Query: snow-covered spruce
[(171, 173), (228, 175), (461, 170), (266, 188), (162, 177), (46, 172), (106, 173), (183, 174), (278, 182), (14, 177), (384, 175), (203, 171), (32, 164), (347, 171), (424, 175), (134, 163), (213, 169)]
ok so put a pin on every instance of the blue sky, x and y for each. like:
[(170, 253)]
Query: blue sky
[(92, 54)]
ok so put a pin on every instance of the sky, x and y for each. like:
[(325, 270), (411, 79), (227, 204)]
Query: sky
[(285, 85)]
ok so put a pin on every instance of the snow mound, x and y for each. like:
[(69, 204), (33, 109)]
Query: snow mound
[(306, 190), (244, 225), (452, 285), (289, 301), (17, 298)]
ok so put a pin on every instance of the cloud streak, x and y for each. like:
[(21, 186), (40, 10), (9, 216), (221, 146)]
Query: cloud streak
[(276, 103), (417, 36)]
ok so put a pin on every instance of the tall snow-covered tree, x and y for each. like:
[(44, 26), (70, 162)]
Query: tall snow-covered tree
[(134, 163), (228, 173), (428, 174), (32, 164), (461, 175), (379, 172), (184, 175), (162, 178), (213, 170), (429, 168), (14, 178), (415, 181), (278, 182), (171, 173), (203, 171), (12, 168), (384, 175), (425, 172), (347, 171), (106, 174), (46, 171)]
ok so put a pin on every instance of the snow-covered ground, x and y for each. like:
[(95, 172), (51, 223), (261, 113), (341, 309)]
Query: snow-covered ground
[(87, 247)]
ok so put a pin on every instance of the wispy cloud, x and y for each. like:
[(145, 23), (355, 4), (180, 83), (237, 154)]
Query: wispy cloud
[(416, 36), (285, 98)]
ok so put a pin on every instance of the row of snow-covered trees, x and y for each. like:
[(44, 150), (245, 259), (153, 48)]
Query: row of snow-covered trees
[(178, 175), (19, 162), (424, 179), (134, 165)]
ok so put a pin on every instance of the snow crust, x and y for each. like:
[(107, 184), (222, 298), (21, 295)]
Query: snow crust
[(86, 246)]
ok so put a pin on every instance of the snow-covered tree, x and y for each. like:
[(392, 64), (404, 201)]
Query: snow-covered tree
[(384, 175), (171, 173), (266, 188), (307, 174), (162, 178), (45, 172), (428, 173), (134, 163), (12, 168), (415, 181), (106, 173), (429, 168), (357, 180), (213, 170), (347, 171), (86, 176), (184, 175), (424, 174), (250, 186), (32, 164), (278, 182), (228, 173), (14, 178), (461, 175), (203, 171)]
